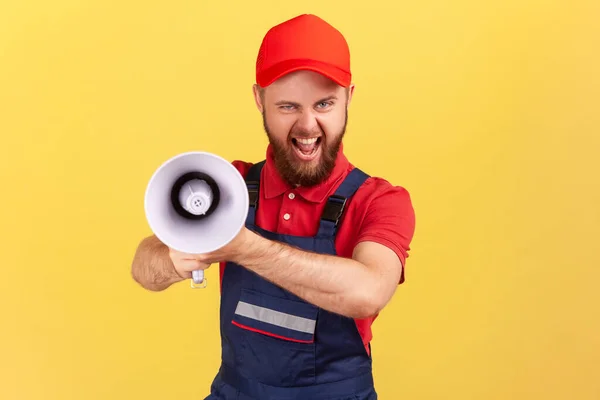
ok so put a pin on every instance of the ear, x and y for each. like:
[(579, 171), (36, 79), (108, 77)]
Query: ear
[(258, 96), (350, 92)]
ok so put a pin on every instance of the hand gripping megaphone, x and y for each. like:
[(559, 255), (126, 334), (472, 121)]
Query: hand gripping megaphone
[(196, 202)]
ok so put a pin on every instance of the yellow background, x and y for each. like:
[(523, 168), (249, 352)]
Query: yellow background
[(487, 112)]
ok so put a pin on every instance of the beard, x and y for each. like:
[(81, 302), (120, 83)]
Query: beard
[(296, 172)]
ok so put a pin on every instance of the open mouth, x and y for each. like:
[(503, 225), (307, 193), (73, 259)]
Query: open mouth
[(307, 149)]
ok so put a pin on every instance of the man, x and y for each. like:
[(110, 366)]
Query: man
[(324, 245)]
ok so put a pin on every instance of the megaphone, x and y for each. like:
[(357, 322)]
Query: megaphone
[(196, 202)]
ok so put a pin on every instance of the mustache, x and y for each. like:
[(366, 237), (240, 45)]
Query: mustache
[(302, 134)]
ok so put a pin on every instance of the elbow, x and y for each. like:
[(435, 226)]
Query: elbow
[(136, 275), (140, 272), (141, 278), (367, 305), (145, 283)]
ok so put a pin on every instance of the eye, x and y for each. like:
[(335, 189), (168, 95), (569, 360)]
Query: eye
[(286, 107), (324, 104)]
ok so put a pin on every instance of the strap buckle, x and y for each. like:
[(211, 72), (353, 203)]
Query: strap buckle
[(334, 208), (252, 193)]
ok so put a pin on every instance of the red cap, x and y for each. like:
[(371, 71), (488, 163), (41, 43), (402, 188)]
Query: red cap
[(305, 42)]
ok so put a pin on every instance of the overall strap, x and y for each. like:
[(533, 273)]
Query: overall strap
[(336, 203), (253, 184)]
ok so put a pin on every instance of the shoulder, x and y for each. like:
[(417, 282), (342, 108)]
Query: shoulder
[(382, 212), (378, 194), (242, 166), (385, 206)]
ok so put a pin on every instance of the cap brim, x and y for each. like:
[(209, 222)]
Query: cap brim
[(341, 77)]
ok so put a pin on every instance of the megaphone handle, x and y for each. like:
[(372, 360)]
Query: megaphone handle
[(198, 280)]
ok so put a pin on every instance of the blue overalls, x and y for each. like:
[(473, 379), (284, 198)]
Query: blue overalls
[(277, 346)]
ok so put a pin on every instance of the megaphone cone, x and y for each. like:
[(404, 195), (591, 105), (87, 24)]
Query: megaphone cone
[(196, 202)]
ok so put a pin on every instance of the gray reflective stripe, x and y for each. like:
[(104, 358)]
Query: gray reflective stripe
[(276, 317)]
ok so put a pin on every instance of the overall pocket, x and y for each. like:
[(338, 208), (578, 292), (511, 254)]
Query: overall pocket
[(273, 339)]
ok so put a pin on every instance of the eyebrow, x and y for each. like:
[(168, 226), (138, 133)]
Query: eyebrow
[(282, 102)]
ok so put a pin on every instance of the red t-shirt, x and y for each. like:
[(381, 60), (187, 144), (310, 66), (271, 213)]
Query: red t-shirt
[(378, 212)]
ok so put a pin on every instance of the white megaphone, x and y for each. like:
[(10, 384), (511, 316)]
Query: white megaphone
[(196, 202)]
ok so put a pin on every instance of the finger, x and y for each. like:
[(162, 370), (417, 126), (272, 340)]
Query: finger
[(177, 255), (205, 258), (192, 265)]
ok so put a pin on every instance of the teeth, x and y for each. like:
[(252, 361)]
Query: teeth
[(307, 141)]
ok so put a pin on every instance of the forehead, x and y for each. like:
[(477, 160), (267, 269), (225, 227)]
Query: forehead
[(303, 85)]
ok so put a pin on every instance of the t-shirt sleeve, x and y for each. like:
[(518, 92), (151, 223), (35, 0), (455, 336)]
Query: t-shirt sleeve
[(390, 220)]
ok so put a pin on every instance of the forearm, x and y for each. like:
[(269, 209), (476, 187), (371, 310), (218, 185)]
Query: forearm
[(152, 267), (340, 285)]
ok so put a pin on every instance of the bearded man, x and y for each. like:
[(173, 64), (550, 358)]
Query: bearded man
[(324, 246)]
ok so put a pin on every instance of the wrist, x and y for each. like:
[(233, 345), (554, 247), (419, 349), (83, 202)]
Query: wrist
[(247, 248)]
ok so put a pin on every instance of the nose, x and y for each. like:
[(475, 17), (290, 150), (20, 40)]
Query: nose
[(308, 122)]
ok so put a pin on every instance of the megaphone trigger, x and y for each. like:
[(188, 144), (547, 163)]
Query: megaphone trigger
[(198, 281)]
